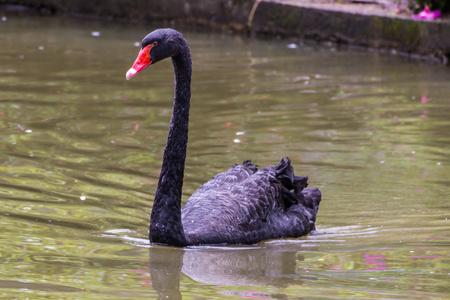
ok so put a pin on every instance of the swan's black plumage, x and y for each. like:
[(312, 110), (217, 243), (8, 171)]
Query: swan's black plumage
[(242, 205)]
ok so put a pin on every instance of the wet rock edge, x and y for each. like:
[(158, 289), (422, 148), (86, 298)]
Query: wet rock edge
[(379, 30)]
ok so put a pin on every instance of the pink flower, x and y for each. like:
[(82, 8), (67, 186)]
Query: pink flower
[(427, 14)]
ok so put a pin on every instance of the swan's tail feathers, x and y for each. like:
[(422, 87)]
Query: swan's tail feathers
[(248, 163), (291, 185), (285, 173)]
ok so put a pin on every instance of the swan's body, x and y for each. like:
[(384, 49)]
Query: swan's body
[(242, 205)]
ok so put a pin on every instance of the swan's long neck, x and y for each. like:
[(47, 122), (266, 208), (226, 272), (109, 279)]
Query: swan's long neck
[(166, 226)]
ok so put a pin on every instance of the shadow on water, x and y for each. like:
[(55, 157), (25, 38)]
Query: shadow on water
[(281, 270), (224, 266)]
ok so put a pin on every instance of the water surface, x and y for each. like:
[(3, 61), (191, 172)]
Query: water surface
[(81, 149)]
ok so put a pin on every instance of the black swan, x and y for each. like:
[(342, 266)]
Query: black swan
[(243, 205)]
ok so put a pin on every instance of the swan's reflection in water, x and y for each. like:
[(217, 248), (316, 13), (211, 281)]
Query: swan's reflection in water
[(226, 266)]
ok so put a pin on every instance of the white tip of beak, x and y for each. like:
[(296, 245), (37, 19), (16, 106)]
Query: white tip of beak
[(131, 72)]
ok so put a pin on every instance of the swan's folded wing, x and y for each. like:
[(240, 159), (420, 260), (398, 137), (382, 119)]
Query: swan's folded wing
[(237, 208), (231, 213), (236, 174)]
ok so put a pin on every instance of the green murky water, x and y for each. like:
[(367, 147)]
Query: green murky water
[(81, 148)]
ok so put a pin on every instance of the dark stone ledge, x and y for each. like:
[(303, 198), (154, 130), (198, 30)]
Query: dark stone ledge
[(353, 25)]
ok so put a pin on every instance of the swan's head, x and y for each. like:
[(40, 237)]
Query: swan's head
[(156, 46)]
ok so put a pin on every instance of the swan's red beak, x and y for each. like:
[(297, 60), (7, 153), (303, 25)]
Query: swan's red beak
[(142, 61)]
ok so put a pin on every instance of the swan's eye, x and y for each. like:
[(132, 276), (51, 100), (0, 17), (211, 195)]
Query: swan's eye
[(155, 44)]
